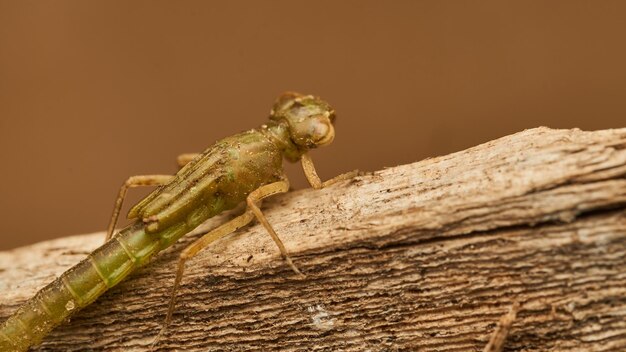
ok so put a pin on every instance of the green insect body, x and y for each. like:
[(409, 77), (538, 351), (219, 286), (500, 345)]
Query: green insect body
[(217, 180)]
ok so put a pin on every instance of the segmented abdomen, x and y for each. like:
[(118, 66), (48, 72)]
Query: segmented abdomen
[(78, 287)]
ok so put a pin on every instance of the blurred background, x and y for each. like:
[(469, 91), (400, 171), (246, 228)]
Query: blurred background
[(92, 92)]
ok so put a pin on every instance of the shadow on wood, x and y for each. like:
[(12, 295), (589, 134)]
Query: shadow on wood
[(426, 256)]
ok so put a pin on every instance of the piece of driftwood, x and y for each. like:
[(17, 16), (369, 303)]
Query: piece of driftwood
[(427, 256)]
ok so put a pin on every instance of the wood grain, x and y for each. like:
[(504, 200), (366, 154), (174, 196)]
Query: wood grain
[(426, 257)]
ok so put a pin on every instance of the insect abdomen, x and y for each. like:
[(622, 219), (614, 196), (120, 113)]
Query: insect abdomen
[(37, 317), (78, 287)]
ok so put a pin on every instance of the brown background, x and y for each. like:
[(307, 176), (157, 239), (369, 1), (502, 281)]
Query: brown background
[(94, 91)]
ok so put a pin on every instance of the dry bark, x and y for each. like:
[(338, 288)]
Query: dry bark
[(427, 256)]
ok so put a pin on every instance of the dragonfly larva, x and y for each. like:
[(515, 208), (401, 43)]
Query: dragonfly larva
[(246, 167)]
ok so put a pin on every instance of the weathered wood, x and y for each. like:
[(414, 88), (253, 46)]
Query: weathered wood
[(427, 256)]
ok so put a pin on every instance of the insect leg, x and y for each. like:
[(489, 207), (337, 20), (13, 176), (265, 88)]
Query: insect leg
[(133, 181), (233, 225), (314, 179), (192, 250), (183, 159), (256, 196)]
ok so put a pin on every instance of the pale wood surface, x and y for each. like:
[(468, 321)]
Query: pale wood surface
[(427, 256)]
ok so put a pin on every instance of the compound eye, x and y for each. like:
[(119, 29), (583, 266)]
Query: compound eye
[(314, 132), (323, 132), (319, 131)]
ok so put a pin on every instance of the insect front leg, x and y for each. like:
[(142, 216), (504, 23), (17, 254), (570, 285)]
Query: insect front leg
[(233, 225), (133, 181), (314, 179)]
